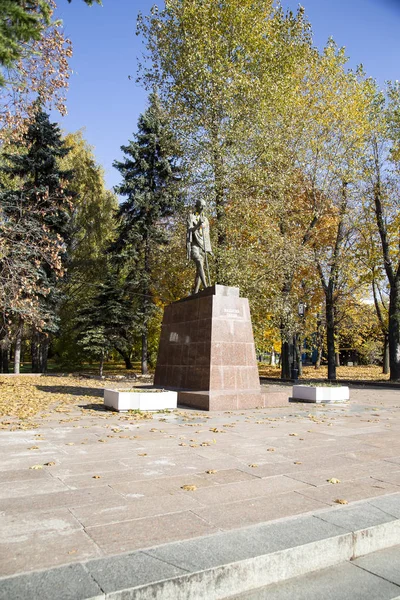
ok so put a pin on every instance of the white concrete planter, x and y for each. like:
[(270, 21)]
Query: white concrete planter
[(153, 399), (319, 394)]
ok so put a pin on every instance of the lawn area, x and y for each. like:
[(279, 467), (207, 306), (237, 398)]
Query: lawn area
[(367, 373), (26, 399)]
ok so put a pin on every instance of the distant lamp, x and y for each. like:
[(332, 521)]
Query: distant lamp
[(301, 309)]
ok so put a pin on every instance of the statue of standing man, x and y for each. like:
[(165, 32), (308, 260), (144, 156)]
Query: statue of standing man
[(198, 243)]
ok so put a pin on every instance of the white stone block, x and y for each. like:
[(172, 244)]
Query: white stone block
[(141, 399), (319, 393)]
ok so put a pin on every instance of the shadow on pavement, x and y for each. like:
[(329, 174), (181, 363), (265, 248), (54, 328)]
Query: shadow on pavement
[(97, 406), (73, 390)]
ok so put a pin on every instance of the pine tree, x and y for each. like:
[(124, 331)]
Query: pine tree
[(151, 179), (106, 322), (34, 226)]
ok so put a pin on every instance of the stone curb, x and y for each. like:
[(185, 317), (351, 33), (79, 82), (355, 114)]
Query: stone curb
[(223, 564)]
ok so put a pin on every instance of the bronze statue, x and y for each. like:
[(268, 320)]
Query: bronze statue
[(198, 244)]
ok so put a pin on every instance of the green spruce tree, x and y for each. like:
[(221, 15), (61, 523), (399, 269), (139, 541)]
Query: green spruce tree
[(35, 227), (151, 186), (107, 322)]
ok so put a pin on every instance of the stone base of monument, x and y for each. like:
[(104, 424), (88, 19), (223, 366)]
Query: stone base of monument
[(320, 394), (140, 399), (207, 351)]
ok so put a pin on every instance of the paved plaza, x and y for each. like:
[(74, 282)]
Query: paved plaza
[(89, 483)]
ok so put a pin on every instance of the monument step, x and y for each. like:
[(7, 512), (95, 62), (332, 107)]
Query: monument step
[(226, 564), (372, 577)]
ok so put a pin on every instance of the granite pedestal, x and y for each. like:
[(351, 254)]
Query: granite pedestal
[(207, 351)]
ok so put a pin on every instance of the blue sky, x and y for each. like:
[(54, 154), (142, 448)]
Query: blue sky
[(104, 101)]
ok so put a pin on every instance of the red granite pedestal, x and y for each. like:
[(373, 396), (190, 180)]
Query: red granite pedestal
[(207, 351)]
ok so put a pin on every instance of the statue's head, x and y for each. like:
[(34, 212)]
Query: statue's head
[(200, 205)]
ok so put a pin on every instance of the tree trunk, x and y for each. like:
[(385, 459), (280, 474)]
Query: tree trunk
[(394, 330), (286, 359), (319, 341), (127, 356), (144, 352), (4, 354), (218, 171), (330, 338), (299, 355), (386, 356), (17, 348), (101, 366), (44, 352), (319, 356), (35, 352), (39, 351), (337, 359)]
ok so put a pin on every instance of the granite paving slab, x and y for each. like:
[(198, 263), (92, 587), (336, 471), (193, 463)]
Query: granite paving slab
[(125, 493)]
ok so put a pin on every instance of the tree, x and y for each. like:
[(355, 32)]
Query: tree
[(372, 272), (382, 179), (330, 160), (41, 74), (151, 185), (92, 229), (225, 70), (23, 22), (104, 322), (35, 221)]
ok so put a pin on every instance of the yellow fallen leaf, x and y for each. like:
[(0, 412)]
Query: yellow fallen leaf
[(270, 449), (293, 434), (96, 477), (297, 462), (70, 444), (211, 472), (72, 551), (102, 441), (143, 454), (182, 444), (333, 480), (36, 467), (341, 501), (34, 448), (189, 488), (253, 466), (49, 464)]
